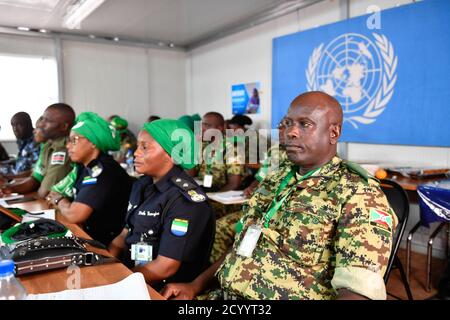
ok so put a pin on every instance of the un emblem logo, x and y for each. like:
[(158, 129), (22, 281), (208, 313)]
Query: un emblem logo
[(358, 72)]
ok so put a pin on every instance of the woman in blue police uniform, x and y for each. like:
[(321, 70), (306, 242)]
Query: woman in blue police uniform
[(98, 185), (170, 225)]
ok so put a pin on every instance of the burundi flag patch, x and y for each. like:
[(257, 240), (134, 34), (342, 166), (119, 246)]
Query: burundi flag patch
[(179, 227), (381, 219)]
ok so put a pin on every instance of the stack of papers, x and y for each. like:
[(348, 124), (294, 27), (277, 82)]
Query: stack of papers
[(228, 197), (131, 288)]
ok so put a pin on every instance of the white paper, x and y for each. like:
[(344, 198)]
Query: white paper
[(47, 214), (131, 288), (228, 197)]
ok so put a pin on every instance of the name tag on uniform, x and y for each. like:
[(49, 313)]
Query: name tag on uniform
[(250, 241), (208, 181), (141, 253)]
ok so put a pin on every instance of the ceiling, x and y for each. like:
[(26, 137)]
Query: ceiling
[(185, 23)]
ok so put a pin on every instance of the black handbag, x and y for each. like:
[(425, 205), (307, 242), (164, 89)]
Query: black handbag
[(45, 253)]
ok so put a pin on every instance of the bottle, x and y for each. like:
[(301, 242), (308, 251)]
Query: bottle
[(129, 160), (10, 286)]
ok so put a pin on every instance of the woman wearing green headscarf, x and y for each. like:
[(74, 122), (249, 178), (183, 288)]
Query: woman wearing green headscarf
[(170, 225), (96, 192)]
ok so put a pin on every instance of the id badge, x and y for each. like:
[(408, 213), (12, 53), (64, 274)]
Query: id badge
[(249, 242), (141, 253), (208, 181)]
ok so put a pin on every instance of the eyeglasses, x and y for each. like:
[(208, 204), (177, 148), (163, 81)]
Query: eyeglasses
[(74, 140)]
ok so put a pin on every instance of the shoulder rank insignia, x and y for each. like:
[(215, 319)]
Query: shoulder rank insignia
[(196, 197), (96, 171)]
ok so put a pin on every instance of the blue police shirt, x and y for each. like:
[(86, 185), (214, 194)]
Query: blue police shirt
[(105, 187), (185, 233)]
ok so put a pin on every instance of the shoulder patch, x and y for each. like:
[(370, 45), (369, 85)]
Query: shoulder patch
[(96, 171), (189, 190), (58, 158), (356, 168)]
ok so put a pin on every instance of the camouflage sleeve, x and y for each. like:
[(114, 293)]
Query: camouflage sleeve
[(235, 168), (58, 167), (363, 242)]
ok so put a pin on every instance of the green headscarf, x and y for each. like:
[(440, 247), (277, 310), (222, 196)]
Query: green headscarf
[(120, 124), (196, 117), (187, 120), (175, 138), (98, 131)]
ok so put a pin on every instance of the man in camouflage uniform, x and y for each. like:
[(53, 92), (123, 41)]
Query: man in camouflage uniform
[(325, 226), (227, 174)]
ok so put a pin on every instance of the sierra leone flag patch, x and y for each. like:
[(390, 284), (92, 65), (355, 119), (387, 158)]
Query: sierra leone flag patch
[(381, 219), (179, 227), (89, 181)]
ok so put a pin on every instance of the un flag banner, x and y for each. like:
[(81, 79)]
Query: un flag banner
[(393, 82)]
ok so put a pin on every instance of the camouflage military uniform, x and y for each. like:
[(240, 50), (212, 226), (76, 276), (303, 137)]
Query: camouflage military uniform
[(219, 167), (275, 157), (225, 232), (333, 231), (128, 141)]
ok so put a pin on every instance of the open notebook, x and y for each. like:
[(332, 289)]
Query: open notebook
[(131, 288)]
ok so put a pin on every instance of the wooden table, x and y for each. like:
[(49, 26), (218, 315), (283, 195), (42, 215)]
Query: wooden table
[(56, 280), (410, 184)]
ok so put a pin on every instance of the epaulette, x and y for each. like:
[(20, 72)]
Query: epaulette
[(356, 168), (188, 189)]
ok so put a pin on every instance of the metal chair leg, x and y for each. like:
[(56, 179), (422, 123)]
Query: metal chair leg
[(399, 265), (408, 248), (430, 254)]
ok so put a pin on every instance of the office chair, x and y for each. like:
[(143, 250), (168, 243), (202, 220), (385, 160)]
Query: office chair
[(398, 199)]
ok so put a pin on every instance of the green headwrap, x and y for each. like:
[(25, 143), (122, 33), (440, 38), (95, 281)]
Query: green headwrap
[(187, 120), (196, 117), (98, 131), (175, 138), (120, 124)]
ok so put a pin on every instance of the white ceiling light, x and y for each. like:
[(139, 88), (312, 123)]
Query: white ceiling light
[(79, 11)]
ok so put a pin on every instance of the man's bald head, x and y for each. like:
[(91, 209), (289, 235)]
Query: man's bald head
[(22, 125), (57, 121), (322, 100), (313, 128)]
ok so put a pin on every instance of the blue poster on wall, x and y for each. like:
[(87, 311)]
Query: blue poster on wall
[(245, 98), (393, 82)]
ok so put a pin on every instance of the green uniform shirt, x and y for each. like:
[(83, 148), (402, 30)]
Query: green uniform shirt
[(53, 164), (333, 231)]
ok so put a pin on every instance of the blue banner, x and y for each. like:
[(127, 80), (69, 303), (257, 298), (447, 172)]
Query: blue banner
[(393, 82)]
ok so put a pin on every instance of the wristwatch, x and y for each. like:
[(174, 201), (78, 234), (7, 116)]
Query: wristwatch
[(57, 200)]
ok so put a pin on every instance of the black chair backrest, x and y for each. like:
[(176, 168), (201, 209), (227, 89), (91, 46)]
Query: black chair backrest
[(398, 199)]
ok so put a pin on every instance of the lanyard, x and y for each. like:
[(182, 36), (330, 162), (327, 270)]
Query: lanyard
[(276, 204)]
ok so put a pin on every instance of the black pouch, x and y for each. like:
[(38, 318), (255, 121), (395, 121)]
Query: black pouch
[(45, 253)]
